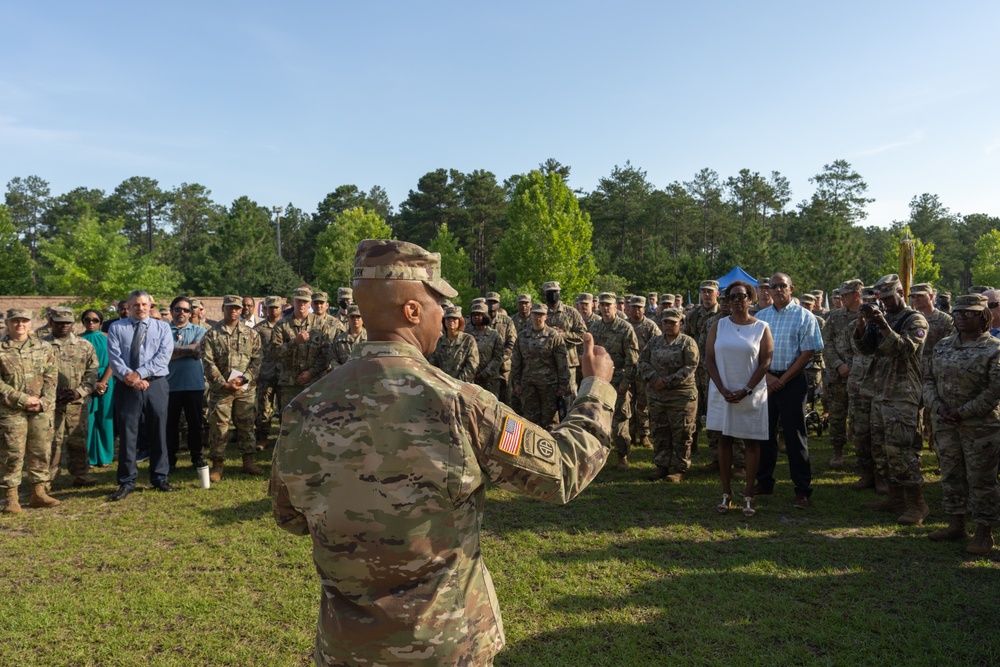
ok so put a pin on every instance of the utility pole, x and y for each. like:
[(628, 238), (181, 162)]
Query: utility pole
[(277, 224), (149, 225)]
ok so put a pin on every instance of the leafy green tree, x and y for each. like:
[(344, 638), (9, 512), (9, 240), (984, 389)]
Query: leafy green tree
[(139, 202), (841, 191), (95, 264), (296, 249), (194, 220), (435, 202), (455, 264), (549, 238), (706, 190), (16, 267), (925, 269), (931, 221), (986, 267), (337, 244), (28, 200), (481, 222), (67, 207), (619, 210)]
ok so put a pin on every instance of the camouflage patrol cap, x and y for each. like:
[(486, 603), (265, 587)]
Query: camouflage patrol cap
[(479, 299), (667, 298), (539, 308), (979, 289), (709, 284), (868, 292), (524, 298), (888, 285), (453, 312), (353, 311), (382, 259), (807, 298), (164, 311), (606, 297), (479, 308), (232, 300), (321, 297), (196, 303), (836, 292), (764, 282), (945, 295), (551, 286), (585, 297), (637, 301), (672, 314), (61, 314), (302, 294), (274, 302), (852, 285), (652, 295), (493, 296), (921, 288), (621, 299), (971, 302), (818, 293), (345, 293), (18, 314)]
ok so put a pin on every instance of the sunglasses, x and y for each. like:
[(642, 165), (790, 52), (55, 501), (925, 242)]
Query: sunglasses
[(91, 320), (966, 313), (739, 296), (779, 286), (178, 309), (993, 304)]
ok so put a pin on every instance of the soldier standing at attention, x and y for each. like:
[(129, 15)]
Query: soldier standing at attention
[(861, 393), (539, 373), (29, 374), (645, 330), (267, 383), (618, 338), (345, 299), (231, 357), (939, 325), (522, 318), (321, 308), (696, 326), (403, 452), (584, 305), (501, 322), (77, 379), (620, 307), (296, 343), (763, 295), (814, 371), (456, 352), (345, 341), (568, 322), (838, 355), (490, 348)]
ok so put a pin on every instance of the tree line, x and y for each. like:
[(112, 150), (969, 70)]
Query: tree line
[(627, 235)]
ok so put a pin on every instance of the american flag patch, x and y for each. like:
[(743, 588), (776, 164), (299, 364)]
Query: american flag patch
[(510, 442)]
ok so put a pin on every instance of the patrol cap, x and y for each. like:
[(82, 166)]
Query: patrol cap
[(709, 284), (637, 301), (852, 285), (667, 298), (164, 311), (764, 282), (887, 285), (382, 259), (453, 312), (818, 293), (807, 298), (539, 308), (345, 293), (652, 295), (945, 295), (493, 296), (836, 292), (585, 297), (979, 289), (971, 302), (196, 303), (672, 314), (61, 314), (606, 297), (321, 297), (479, 308), (479, 299), (353, 310), (524, 298), (18, 314), (621, 299), (551, 286), (274, 302), (921, 288), (302, 294), (232, 300)]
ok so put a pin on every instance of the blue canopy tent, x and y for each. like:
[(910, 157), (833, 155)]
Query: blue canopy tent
[(736, 274)]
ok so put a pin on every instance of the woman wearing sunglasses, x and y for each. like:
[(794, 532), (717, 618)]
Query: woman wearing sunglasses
[(101, 433)]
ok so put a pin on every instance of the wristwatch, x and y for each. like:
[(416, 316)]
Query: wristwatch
[(748, 390)]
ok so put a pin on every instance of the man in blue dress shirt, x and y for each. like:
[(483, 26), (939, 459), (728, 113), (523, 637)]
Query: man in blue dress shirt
[(139, 350)]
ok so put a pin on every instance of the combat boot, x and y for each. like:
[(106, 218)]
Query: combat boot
[(893, 502), (249, 466), (13, 505), (982, 542), (954, 531), (881, 485), (837, 460), (658, 474), (867, 481), (215, 474), (261, 444), (84, 480), (39, 498), (622, 463), (916, 509)]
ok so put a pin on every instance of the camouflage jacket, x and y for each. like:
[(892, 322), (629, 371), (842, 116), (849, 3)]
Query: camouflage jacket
[(27, 368), (817, 362), (837, 346), (896, 368), (294, 358), (966, 377), (568, 321), (939, 326), (491, 353), (540, 359), (520, 323), (334, 325), (618, 338), (504, 326), (458, 358), (645, 331), (342, 344), (224, 350), (675, 361), (78, 365), (385, 465), (696, 326), (268, 363)]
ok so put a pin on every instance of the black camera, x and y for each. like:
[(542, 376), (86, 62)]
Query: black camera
[(871, 308)]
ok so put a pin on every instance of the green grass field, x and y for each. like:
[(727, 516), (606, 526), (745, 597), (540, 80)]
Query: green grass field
[(630, 573)]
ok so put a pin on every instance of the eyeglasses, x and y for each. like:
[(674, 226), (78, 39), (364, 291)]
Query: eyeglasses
[(178, 309), (779, 286), (91, 320), (965, 313), (739, 296), (993, 304)]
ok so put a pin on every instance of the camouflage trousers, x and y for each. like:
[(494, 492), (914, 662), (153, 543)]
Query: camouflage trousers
[(25, 443), (573, 386), (860, 406), (894, 425), (639, 425), (539, 403), (619, 423), (267, 407), (71, 423), (672, 423), (239, 409), (839, 406), (968, 458), (814, 390)]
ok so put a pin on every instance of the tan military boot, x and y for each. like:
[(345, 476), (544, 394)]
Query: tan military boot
[(261, 444), (954, 531), (658, 474), (837, 460), (867, 481), (982, 542), (13, 505), (215, 474), (622, 463), (893, 502), (916, 508), (250, 467), (39, 498)]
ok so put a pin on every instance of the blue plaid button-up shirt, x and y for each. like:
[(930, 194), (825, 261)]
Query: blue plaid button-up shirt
[(794, 330)]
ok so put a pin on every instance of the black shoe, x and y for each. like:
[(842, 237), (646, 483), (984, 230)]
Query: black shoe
[(163, 486), (121, 493)]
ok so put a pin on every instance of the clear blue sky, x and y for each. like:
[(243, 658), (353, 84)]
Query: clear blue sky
[(283, 102)]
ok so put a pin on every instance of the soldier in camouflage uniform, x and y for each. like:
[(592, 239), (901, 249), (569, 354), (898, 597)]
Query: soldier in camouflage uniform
[(29, 373), (962, 391), (861, 394), (814, 371), (618, 338), (696, 326), (838, 357), (939, 326), (584, 305), (490, 347), (502, 323), (403, 452), (77, 379), (231, 357), (896, 339), (345, 299), (539, 372), (819, 307), (298, 344), (568, 322), (522, 318), (267, 383), (621, 307), (45, 329), (321, 308), (456, 352), (645, 330), (345, 341)]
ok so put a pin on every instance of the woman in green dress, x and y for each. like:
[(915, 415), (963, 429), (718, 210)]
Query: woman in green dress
[(101, 433)]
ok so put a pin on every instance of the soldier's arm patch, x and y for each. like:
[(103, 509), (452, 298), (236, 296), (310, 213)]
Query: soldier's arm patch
[(511, 436)]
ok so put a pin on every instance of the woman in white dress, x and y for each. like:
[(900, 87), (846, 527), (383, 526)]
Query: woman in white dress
[(737, 355)]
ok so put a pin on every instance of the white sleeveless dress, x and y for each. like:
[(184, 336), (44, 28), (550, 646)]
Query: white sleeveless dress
[(737, 349)]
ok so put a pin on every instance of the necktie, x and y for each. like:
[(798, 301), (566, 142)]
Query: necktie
[(137, 337)]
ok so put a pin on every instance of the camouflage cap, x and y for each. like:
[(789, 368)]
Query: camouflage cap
[(868, 292), (667, 298), (164, 311), (585, 297), (353, 311), (888, 285), (672, 314), (274, 302), (921, 288), (539, 308), (637, 301), (479, 299), (551, 286), (807, 298), (322, 297), (945, 295), (979, 289), (836, 292), (852, 285), (606, 297), (232, 300), (61, 314), (382, 259), (454, 312), (818, 293), (479, 308), (764, 282), (621, 299), (345, 293), (302, 294), (652, 295), (524, 298), (709, 284), (196, 303), (18, 313), (493, 296), (971, 302)]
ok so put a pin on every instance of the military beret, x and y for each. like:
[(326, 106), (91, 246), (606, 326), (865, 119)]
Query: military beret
[(382, 259), (454, 312), (971, 302), (852, 285), (539, 308), (637, 301), (921, 288), (274, 302), (888, 285), (709, 284), (979, 289), (322, 297), (18, 313), (585, 297), (479, 308), (196, 303), (353, 310), (345, 293), (231, 300), (61, 314), (524, 298), (606, 297), (672, 314), (493, 296), (302, 294), (807, 298), (652, 295), (550, 286)]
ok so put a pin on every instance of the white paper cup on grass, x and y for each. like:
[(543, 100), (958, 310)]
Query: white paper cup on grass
[(203, 480)]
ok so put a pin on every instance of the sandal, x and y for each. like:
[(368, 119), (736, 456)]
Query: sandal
[(725, 505), (748, 506)]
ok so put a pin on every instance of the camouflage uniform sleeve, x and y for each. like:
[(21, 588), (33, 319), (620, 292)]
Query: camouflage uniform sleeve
[(830, 353), (509, 339), (631, 355), (516, 364), (282, 348), (470, 359), (574, 335), (12, 397), (646, 370), (553, 467), (986, 400), (286, 516), (50, 379), (562, 361), (497, 356), (321, 349), (89, 380), (909, 342), (208, 352), (256, 359), (689, 351)]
